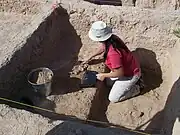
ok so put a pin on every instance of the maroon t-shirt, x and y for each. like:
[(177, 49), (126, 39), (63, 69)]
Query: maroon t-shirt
[(122, 59)]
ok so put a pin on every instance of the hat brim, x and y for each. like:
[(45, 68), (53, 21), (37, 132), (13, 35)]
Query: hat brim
[(104, 38)]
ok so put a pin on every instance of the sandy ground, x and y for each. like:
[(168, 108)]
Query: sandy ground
[(15, 122), (33, 36), (141, 29)]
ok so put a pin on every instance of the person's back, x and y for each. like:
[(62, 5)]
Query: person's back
[(122, 58), (130, 64)]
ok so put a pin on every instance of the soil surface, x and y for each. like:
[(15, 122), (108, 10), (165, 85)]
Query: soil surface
[(34, 35), (14, 122)]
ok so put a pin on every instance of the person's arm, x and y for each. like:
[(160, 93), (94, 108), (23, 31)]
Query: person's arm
[(115, 73), (99, 51), (117, 66)]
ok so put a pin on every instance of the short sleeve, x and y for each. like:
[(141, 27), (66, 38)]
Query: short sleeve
[(116, 60)]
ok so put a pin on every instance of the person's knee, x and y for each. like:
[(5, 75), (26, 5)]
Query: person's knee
[(112, 99)]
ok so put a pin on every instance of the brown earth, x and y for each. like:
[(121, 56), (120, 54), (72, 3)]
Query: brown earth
[(33, 36), (14, 122)]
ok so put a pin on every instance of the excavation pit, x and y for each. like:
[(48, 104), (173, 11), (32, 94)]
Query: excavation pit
[(60, 40)]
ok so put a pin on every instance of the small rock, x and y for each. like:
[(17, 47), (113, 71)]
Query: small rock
[(51, 98), (156, 95), (81, 69), (24, 13), (141, 114), (57, 122), (137, 114), (133, 114), (72, 12), (75, 72)]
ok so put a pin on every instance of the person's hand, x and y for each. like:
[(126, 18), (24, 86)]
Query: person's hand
[(100, 76)]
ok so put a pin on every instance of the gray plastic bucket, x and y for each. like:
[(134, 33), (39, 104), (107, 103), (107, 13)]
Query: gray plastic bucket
[(44, 88)]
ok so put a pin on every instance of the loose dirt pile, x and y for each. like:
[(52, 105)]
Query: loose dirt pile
[(42, 77), (79, 68)]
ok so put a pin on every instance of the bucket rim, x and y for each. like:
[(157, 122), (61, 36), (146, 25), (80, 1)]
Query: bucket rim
[(36, 69)]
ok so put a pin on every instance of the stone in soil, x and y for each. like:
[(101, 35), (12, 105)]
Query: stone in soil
[(79, 68)]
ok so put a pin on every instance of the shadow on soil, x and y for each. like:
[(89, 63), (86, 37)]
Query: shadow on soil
[(100, 103), (54, 44), (165, 119), (95, 61), (67, 128), (106, 2), (151, 69)]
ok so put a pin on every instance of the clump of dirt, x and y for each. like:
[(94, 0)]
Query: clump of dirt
[(79, 68)]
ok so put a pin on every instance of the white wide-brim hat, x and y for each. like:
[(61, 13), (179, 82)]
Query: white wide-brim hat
[(99, 31)]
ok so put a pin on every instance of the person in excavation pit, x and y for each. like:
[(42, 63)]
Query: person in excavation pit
[(125, 76)]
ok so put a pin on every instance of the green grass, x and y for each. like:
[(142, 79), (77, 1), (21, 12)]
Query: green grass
[(177, 32)]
